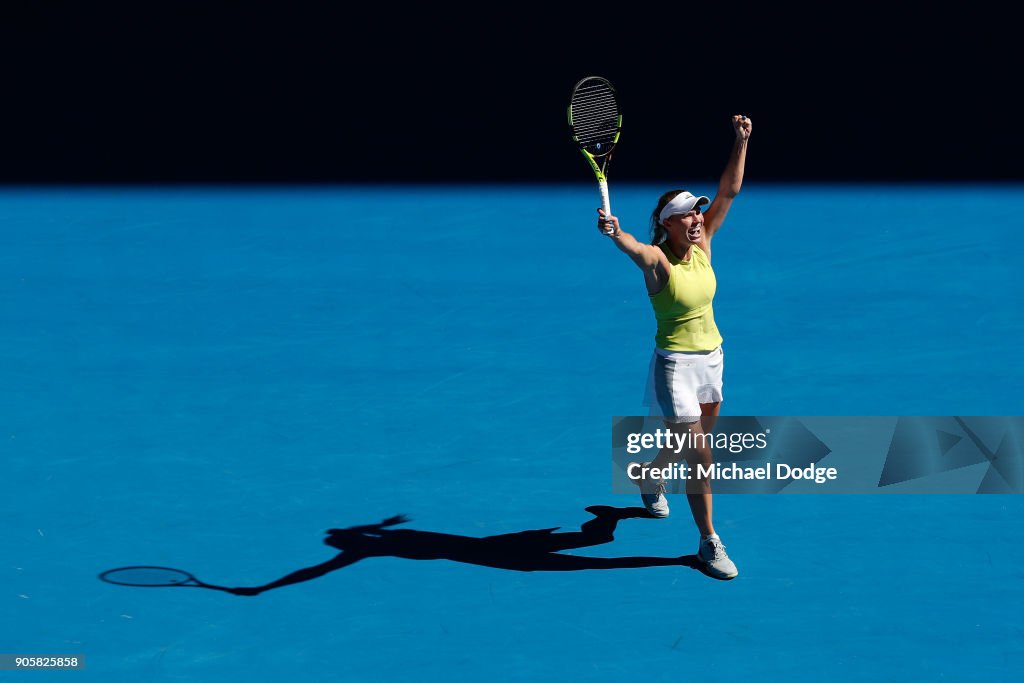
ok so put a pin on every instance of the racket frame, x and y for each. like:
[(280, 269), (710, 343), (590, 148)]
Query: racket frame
[(188, 579), (600, 170)]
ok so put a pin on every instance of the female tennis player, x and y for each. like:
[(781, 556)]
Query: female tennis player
[(686, 367)]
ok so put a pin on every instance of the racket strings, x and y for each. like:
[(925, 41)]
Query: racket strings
[(595, 115), (147, 576)]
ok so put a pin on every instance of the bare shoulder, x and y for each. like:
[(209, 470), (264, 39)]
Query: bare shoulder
[(657, 274), (650, 256), (660, 257)]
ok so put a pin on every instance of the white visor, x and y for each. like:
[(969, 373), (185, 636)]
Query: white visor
[(684, 202)]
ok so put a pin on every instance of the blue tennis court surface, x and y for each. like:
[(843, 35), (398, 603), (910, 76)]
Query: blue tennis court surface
[(210, 379)]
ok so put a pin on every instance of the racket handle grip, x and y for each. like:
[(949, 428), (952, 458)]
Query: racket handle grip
[(605, 201)]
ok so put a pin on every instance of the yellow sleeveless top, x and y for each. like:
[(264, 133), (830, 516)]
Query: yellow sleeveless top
[(686, 321)]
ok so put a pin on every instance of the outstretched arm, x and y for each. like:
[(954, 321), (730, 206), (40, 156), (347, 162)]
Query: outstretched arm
[(649, 258), (307, 574), (354, 540), (732, 178)]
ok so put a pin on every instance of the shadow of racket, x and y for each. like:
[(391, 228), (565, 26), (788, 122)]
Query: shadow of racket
[(156, 577)]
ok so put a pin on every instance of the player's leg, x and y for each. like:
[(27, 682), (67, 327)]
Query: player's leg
[(711, 551), (699, 497), (673, 396)]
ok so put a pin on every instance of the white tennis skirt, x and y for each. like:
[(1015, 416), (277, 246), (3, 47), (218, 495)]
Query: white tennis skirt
[(678, 382)]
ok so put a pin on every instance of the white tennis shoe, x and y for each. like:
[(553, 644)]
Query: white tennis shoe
[(652, 491), (716, 562)]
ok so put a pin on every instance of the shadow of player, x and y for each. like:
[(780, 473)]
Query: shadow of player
[(525, 551)]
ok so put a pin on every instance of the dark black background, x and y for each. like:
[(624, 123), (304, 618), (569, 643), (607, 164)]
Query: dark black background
[(238, 92)]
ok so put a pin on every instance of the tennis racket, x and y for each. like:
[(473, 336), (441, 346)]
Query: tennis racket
[(154, 577), (595, 122)]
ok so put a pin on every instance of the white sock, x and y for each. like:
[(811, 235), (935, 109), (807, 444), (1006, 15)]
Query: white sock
[(709, 537)]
